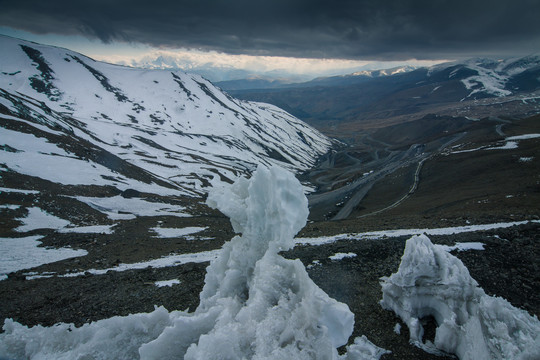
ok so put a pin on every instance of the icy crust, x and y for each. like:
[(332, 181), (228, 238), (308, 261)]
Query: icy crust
[(471, 324), (255, 304)]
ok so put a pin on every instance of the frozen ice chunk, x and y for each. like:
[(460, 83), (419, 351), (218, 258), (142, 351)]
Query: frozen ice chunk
[(471, 324), (363, 349), (269, 208), (257, 304)]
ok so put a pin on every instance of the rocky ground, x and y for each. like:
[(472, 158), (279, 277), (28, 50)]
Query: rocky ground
[(454, 190), (508, 267)]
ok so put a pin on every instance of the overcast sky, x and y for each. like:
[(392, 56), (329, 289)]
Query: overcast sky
[(357, 30)]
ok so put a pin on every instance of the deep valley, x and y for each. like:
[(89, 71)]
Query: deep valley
[(123, 180)]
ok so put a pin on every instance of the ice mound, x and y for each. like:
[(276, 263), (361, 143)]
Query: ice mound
[(255, 304), (114, 338), (471, 324)]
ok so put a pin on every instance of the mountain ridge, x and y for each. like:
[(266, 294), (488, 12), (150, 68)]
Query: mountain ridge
[(178, 129), (475, 88), (99, 175)]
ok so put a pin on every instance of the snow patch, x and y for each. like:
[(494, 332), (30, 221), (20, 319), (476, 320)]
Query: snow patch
[(468, 150), (341, 256), (25, 253), (166, 261), (120, 208), (176, 232), (463, 246), (40, 219), (507, 146), (168, 283), (45, 160), (471, 324), (524, 137), (408, 232), (512, 141), (91, 229), (9, 206)]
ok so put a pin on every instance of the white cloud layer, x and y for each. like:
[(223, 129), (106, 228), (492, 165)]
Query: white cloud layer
[(219, 66), (214, 65)]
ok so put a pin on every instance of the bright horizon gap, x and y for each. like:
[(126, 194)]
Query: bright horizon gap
[(217, 65), (192, 59)]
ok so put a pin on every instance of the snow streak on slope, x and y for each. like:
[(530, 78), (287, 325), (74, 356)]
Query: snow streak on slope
[(174, 130), (384, 72), (488, 80), (492, 77), (321, 240)]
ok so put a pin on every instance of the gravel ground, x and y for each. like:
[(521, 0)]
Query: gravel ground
[(486, 187), (508, 267)]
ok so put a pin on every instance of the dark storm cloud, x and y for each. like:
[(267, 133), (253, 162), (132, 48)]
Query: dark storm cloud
[(367, 29)]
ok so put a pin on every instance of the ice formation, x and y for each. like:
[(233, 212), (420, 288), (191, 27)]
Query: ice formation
[(255, 304), (471, 324)]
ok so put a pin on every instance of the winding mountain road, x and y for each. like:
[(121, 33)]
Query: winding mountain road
[(339, 203)]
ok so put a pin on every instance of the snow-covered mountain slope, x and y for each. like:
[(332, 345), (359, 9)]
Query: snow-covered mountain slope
[(358, 77), (475, 88), (488, 77), (479, 77), (72, 120)]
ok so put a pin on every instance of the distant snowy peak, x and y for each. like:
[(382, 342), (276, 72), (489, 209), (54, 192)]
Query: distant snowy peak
[(161, 62), (177, 127), (384, 72), (356, 77), (208, 66), (489, 77)]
